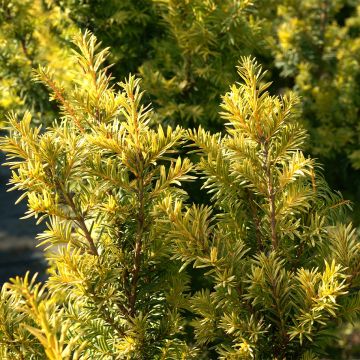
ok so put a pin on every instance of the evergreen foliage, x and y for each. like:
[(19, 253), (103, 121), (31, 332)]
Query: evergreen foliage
[(186, 52), (282, 269), (96, 176), (279, 266), (126, 26), (32, 33), (319, 48), (194, 62)]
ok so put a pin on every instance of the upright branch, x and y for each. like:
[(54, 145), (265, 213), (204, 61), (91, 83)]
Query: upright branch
[(97, 175), (138, 246), (260, 182), (256, 119), (140, 168), (79, 218), (113, 187), (267, 164)]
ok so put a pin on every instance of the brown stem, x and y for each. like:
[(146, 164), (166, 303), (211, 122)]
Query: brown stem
[(83, 227), (58, 95), (80, 221)]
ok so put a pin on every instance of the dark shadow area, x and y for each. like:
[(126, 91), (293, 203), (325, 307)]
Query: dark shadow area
[(18, 252)]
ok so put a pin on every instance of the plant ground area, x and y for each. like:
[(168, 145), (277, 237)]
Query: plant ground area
[(193, 171)]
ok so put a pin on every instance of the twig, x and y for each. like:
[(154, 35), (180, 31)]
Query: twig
[(80, 221), (271, 196)]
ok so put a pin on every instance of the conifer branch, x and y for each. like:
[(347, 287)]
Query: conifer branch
[(43, 76), (79, 218), (140, 194), (122, 281), (138, 246), (106, 313), (270, 193)]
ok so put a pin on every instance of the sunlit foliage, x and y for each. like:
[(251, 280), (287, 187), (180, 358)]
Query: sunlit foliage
[(279, 266)]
